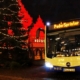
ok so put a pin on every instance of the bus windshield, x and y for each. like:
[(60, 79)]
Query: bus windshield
[(64, 44)]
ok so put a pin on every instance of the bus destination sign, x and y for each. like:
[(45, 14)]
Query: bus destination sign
[(62, 25)]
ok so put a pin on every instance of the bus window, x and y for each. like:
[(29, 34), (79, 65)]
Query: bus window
[(63, 45), (51, 47)]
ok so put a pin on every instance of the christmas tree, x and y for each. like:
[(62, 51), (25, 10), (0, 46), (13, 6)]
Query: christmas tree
[(12, 34)]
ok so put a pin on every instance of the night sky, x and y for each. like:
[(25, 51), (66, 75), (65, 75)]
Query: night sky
[(53, 10)]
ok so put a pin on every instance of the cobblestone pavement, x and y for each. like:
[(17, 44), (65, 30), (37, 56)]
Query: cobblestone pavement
[(15, 78), (36, 73), (32, 73), (2, 77)]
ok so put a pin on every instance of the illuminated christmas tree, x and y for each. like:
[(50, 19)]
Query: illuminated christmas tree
[(13, 36)]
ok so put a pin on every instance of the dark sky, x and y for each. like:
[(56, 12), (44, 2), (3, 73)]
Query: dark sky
[(53, 10)]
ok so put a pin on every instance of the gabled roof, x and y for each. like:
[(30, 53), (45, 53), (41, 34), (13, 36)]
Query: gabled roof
[(39, 24)]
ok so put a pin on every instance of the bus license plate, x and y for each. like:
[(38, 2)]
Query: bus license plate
[(69, 70)]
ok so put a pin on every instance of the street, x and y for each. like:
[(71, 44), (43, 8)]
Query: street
[(36, 73)]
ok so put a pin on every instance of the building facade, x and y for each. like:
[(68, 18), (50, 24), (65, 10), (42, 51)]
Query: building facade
[(36, 40)]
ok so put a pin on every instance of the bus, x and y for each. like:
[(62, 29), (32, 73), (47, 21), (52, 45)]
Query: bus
[(62, 46)]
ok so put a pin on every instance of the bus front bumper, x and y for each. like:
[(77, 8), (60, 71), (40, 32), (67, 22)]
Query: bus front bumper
[(64, 69)]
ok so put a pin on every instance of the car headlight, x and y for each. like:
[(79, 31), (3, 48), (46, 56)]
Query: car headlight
[(47, 64)]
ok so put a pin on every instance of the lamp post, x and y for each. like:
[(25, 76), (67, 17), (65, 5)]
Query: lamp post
[(46, 38), (48, 24)]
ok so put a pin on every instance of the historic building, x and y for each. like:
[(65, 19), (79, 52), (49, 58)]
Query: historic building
[(36, 39)]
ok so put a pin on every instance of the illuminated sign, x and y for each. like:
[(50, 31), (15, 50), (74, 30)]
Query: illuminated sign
[(39, 40), (66, 25)]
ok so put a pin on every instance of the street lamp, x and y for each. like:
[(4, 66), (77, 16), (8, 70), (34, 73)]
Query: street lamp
[(48, 23), (47, 26)]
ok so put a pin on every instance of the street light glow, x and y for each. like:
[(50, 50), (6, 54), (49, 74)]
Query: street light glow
[(48, 23)]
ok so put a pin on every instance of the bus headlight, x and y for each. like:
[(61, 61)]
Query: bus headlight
[(47, 64)]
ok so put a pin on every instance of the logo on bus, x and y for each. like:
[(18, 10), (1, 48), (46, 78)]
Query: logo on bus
[(68, 64)]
